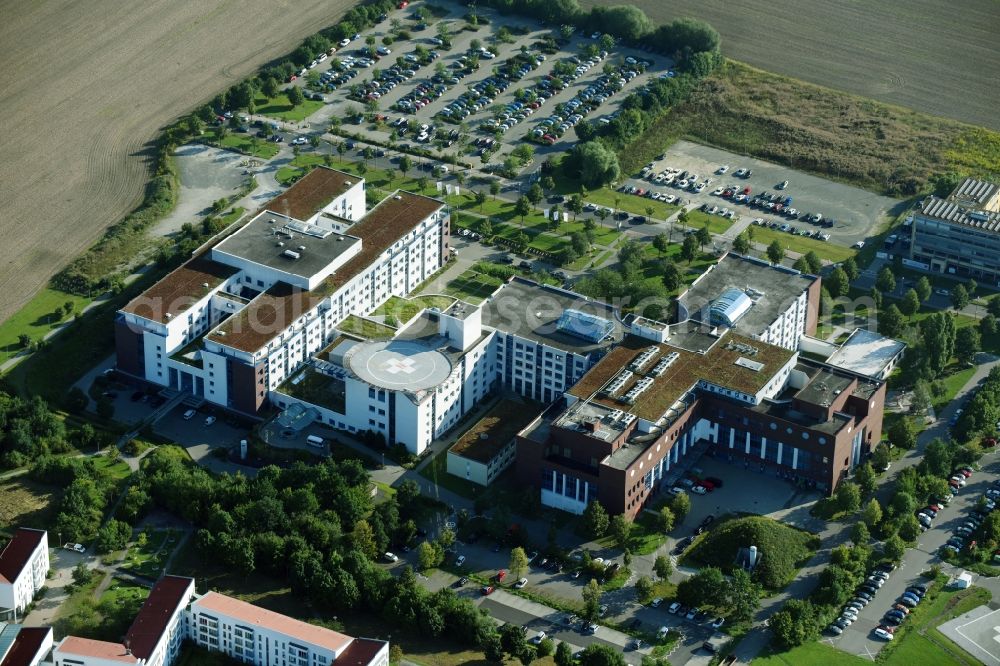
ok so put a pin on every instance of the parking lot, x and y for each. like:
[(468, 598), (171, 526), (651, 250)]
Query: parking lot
[(855, 212), (481, 88)]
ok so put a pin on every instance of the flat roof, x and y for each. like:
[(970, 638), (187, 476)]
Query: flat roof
[(532, 311), (866, 353), (153, 618), (490, 434), (17, 552), (718, 365), (399, 365), (271, 240), (179, 289), (24, 649), (824, 387), (88, 647), (282, 624), (311, 193), (360, 652), (270, 313), (972, 204), (394, 217), (774, 289)]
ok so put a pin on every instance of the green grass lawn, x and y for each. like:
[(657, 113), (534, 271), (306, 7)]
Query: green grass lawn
[(473, 287), (114, 469), (810, 654), (398, 310), (952, 383), (801, 245), (717, 224), (36, 319), (279, 107), (245, 143), (365, 328)]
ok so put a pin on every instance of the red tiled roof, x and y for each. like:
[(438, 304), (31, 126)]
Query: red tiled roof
[(16, 554), (311, 193), (361, 652), (179, 289), (154, 616), (88, 647), (26, 645), (261, 617)]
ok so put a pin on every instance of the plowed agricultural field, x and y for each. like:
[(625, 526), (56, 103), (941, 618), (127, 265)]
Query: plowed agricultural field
[(936, 56), (86, 85)]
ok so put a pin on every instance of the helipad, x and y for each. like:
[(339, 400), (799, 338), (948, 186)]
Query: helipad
[(400, 365)]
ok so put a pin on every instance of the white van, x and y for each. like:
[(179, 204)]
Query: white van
[(315, 440), (189, 414)]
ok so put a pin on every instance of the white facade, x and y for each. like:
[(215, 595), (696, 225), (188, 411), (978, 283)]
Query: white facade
[(478, 471), (537, 370), (26, 566), (255, 636), (789, 326)]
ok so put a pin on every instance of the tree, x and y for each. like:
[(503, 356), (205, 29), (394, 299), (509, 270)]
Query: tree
[(599, 654), (938, 458), (923, 288), (872, 514), (596, 163), (959, 297), (689, 248), (890, 321), (665, 519), (671, 275), (113, 535), (850, 267), (644, 589), (708, 587), (795, 623), (704, 237), (404, 164), (575, 205), (513, 641), (744, 596), (545, 648), (860, 534), (427, 556), (595, 519), (848, 496), (24, 340), (909, 528), (837, 283), (886, 281), (621, 530), (535, 194), (910, 303), (661, 243), (591, 600), (518, 562), (82, 574), (937, 332), (446, 538), (480, 199), (988, 326), (680, 505), (967, 344), (564, 655), (902, 503), (295, 96), (901, 434), (742, 244), (864, 476), (663, 567), (894, 548), (494, 188), (775, 252), (363, 539), (522, 208)]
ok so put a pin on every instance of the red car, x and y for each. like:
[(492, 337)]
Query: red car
[(487, 590), (964, 472), (500, 575), (403, 5), (989, 442), (746, 190), (708, 485)]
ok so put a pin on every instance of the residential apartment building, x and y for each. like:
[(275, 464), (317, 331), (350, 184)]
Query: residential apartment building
[(647, 404), (960, 234), (242, 631), (24, 646), (756, 299), (255, 635), (240, 317), (24, 565)]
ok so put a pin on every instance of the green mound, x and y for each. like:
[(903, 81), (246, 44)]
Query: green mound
[(783, 549)]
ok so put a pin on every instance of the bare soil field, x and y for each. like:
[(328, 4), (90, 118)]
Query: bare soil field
[(86, 85), (932, 56)]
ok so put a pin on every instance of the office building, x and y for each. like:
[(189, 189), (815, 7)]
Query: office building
[(960, 234)]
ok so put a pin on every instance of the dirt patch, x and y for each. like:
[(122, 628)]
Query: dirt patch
[(936, 57), (94, 82), (24, 503)]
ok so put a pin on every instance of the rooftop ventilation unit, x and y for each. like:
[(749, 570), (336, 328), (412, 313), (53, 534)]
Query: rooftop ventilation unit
[(643, 359), (664, 363), (615, 414), (618, 383), (627, 419), (291, 254), (637, 390), (749, 365)]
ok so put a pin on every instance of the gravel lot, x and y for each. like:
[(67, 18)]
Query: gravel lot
[(206, 174), (855, 210)]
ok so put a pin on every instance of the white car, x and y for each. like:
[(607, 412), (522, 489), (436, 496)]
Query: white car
[(538, 638), (655, 603), (662, 633), (299, 140), (723, 169), (783, 184), (189, 414), (521, 583), (383, 50), (209, 420), (344, 42), (603, 610), (699, 490), (859, 245), (390, 557), (77, 547), (883, 634), (460, 560), (672, 608)]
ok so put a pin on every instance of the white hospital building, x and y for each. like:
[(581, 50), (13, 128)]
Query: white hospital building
[(24, 565)]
